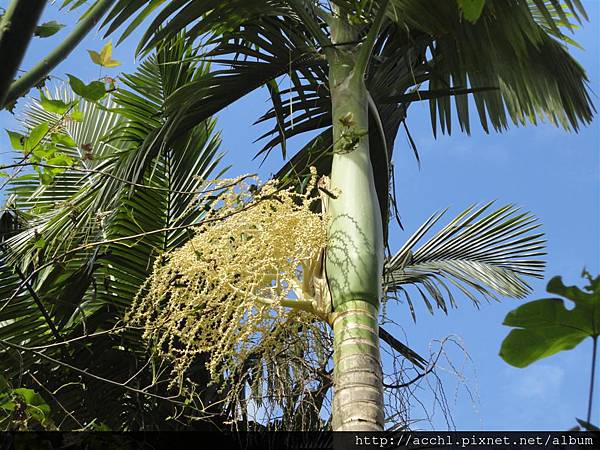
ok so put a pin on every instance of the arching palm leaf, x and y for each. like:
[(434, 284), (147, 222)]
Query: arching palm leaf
[(480, 254), (422, 52)]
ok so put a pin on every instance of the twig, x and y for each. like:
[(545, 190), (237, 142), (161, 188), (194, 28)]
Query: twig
[(56, 400), (89, 374), (592, 376), (43, 68), (123, 180), (418, 377)]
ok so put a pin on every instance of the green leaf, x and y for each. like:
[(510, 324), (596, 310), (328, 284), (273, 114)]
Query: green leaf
[(36, 135), (60, 159), (48, 29), (91, 92), (37, 407), (471, 9), (43, 151), (104, 58), (54, 106), (17, 140), (46, 178), (63, 139), (545, 327), (8, 406), (77, 116)]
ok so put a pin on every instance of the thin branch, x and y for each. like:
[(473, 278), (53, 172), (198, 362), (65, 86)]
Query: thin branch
[(89, 374), (121, 239), (592, 377), (40, 384), (80, 338), (125, 181), (418, 377), (405, 351)]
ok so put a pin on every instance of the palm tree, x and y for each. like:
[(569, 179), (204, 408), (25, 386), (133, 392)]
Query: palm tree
[(354, 67)]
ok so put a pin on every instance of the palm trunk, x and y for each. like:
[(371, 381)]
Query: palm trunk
[(354, 256)]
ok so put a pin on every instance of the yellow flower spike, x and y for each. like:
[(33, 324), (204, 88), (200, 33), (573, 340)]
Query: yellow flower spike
[(223, 293)]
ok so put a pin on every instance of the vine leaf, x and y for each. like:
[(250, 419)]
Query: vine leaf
[(48, 29), (104, 58), (545, 327), (55, 106), (35, 136), (92, 92), (17, 140)]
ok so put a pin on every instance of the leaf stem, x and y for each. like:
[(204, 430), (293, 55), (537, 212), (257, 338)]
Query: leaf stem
[(39, 304), (365, 52), (299, 8), (592, 377)]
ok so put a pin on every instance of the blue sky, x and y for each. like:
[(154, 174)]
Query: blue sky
[(552, 173)]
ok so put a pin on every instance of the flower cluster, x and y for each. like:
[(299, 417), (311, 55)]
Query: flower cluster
[(227, 292)]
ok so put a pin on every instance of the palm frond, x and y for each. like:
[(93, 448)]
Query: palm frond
[(217, 17), (480, 254), (515, 46)]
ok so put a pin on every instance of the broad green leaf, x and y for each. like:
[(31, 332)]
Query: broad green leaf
[(36, 135), (60, 159), (8, 406), (104, 58), (471, 9), (77, 116), (17, 140), (43, 151), (545, 327), (37, 407), (29, 396), (63, 139), (54, 106), (48, 29), (91, 92)]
